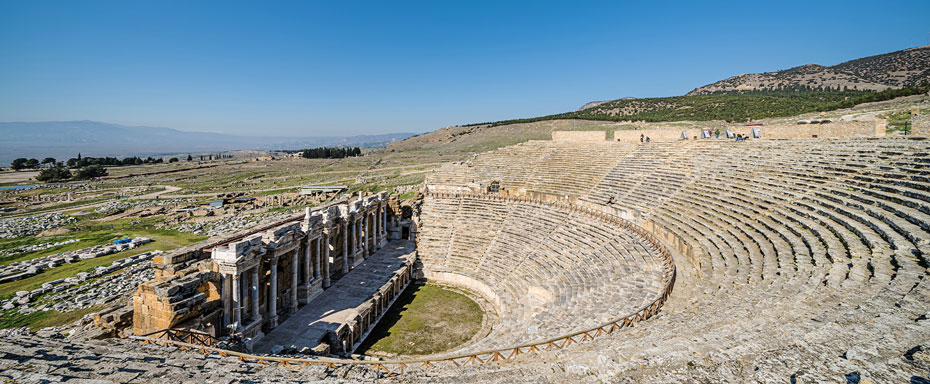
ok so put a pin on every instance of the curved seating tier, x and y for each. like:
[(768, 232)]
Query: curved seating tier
[(807, 257), (548, 269)]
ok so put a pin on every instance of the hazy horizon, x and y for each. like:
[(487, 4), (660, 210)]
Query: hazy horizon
[(301, 69)]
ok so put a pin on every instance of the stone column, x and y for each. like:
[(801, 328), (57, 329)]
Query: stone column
[(237, 312), (326, 246), (308, 270), (350, 231), (225, 297), (345, 248), (364, 235), (383, 219), (255, 311), (294, 264), (318, 256), (244, 297), (273, 294), (357, 234), (378, 227), (370, 232)]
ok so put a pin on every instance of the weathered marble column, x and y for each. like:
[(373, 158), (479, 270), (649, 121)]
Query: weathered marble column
[(353, 240), (383, 219), (256, 312), (326, 246), (317, 257), (226, 298), (357, 233), (244, 296), (237, 312), (370, 233), (345, 248), (294, 264), (378, 227), (308, 270), (365, 234), (273, 294)]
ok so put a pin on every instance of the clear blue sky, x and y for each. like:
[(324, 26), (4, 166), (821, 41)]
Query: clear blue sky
[(356, 67)]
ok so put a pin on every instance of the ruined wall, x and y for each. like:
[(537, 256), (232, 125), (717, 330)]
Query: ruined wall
[(579, 136), (921, 124), (868, 128), (660, 134), (167, 302), (865, 128)]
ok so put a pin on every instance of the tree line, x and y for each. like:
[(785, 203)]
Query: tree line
[(59, 173), (84, 167), (330, 153), (731, 106), (86, 161)]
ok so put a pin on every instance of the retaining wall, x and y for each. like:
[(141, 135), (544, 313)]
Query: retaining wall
[(865, 128), (921, 125)]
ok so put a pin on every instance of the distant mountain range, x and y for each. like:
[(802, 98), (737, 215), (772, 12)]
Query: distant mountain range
[(64, 139), (909, 67)]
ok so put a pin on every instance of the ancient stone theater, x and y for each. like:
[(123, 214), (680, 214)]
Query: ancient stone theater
[(767, 260)]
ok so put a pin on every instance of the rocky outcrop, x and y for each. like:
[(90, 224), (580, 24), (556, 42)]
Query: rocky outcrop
[(909, 67)]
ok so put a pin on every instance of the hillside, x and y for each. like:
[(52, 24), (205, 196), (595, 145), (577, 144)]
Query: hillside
[(67, 138), (488, 136), (909, 67), (804, 89)]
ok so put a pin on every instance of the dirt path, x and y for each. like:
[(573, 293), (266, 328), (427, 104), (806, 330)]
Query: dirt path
[(168, 189)]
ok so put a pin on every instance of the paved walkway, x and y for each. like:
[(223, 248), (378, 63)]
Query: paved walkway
[(339, 303)]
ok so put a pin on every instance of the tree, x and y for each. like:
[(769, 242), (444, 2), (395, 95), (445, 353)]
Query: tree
[(173, 160), (90, 172), (19, 163), (32, 163), (190, 158), (53, 174), (48, 160)]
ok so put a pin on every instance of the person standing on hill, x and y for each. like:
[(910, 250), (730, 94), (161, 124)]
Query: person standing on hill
[(717, 133), (641, 138)]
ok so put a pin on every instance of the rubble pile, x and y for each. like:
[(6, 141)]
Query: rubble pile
[(4, 253), (31, 225), (226, 224), (115, 207), (86, 288), (22, 269)]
